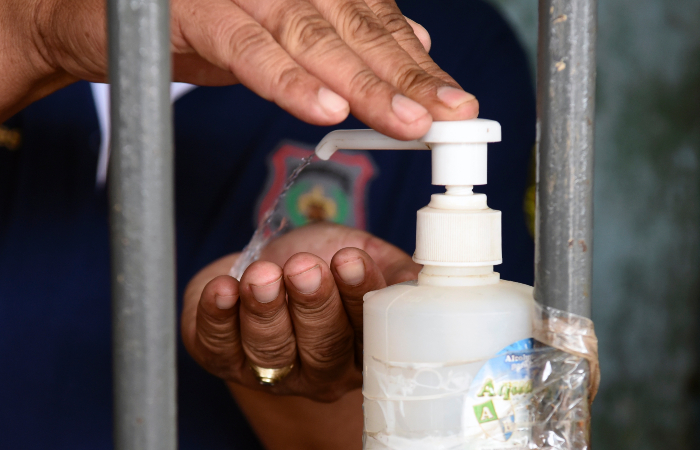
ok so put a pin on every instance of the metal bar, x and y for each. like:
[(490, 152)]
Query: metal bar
[(142, 229), (565, 109)]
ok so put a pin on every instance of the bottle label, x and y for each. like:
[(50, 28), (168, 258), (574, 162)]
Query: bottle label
[(497, 408), (471, 405)]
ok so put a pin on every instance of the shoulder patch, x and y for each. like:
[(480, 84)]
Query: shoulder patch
[(334, 190)]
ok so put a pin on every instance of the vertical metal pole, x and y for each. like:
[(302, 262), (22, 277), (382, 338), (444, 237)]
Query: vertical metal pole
[(565, 109), (142, 229)]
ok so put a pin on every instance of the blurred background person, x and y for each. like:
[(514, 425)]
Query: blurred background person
[(232, 152)]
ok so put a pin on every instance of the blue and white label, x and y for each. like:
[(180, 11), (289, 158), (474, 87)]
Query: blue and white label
[(497, 409)]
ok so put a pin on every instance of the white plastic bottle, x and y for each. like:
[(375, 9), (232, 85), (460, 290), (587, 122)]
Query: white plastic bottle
[(446, 358)]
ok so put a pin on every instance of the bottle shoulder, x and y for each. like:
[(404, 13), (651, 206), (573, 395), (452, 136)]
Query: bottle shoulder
[(410, 322), (501, 295), (412, 288)]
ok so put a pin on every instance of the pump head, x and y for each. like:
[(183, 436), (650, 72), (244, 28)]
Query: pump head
[(458, 147), (457, 228)]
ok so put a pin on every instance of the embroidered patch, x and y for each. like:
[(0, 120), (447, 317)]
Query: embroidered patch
[(332, 190)]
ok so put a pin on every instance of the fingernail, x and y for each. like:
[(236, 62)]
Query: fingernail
[(225, 301), (266, 292), (331, 102), (453, 97), (406, 109), (352, 272), (308, 281)]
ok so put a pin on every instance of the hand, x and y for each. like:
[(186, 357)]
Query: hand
[(317, 59), (293, 307)]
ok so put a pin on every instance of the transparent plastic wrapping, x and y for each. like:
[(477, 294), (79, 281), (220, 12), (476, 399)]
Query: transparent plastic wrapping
[(565, 374), (535, 394)]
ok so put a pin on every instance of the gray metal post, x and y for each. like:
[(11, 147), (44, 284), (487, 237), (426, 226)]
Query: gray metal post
[(565, 109), (142, 229)]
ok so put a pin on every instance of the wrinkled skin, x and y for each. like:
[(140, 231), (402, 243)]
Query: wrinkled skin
[(318, 328), (318, 406), (317, 59)]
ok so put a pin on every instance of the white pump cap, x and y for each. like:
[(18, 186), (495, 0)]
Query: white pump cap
[(459, 148), (457, 228)]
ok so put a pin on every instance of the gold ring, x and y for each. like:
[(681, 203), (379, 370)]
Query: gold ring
[(270, 377)]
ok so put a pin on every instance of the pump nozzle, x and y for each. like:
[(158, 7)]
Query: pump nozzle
[(457, 228), (458, 148)]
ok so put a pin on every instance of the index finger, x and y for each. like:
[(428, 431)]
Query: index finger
[(405, 34), (227, 37), (315, 44), (379, 33)]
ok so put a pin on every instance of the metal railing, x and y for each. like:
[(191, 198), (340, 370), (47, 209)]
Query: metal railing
[(565, 117), (142, 226), (141, 198)]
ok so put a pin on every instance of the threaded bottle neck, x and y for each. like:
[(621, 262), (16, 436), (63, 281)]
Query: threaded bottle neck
[(457, 276)]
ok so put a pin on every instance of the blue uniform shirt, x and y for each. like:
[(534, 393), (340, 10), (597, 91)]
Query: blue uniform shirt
[(232, 148)]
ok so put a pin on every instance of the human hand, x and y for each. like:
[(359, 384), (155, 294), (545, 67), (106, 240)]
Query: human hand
[(292, 308), (317, 59)]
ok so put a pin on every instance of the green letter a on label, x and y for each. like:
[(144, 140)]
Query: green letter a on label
[(485, 412)]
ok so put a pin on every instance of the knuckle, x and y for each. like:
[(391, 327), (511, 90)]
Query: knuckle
[(363, 26), (359, 23), (426, 63), (317, 311), (217, 362), (244, 39), (330, 350), (270, 343), (213, 340), (410, 77), (395, 22), (273, 353), (288, 79), (266, 319), (365, 82), (305, 32)]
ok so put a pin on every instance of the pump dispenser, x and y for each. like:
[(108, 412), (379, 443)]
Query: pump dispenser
[(432, 378)]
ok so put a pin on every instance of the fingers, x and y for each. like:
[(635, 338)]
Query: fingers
[(410, 35), (406, 32), (314, 43), (355, 274), (217, 344), (230, 39), (380, 34), (421, 33), (321, 59), (323, 333), (266, 326)]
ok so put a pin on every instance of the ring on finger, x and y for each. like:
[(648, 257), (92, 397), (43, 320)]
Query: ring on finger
[(270, 377)]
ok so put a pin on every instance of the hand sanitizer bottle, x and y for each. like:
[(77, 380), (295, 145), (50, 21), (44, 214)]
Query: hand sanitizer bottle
[(446, 357)]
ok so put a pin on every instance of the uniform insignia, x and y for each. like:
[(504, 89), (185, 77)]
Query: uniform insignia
[(332, 190)]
